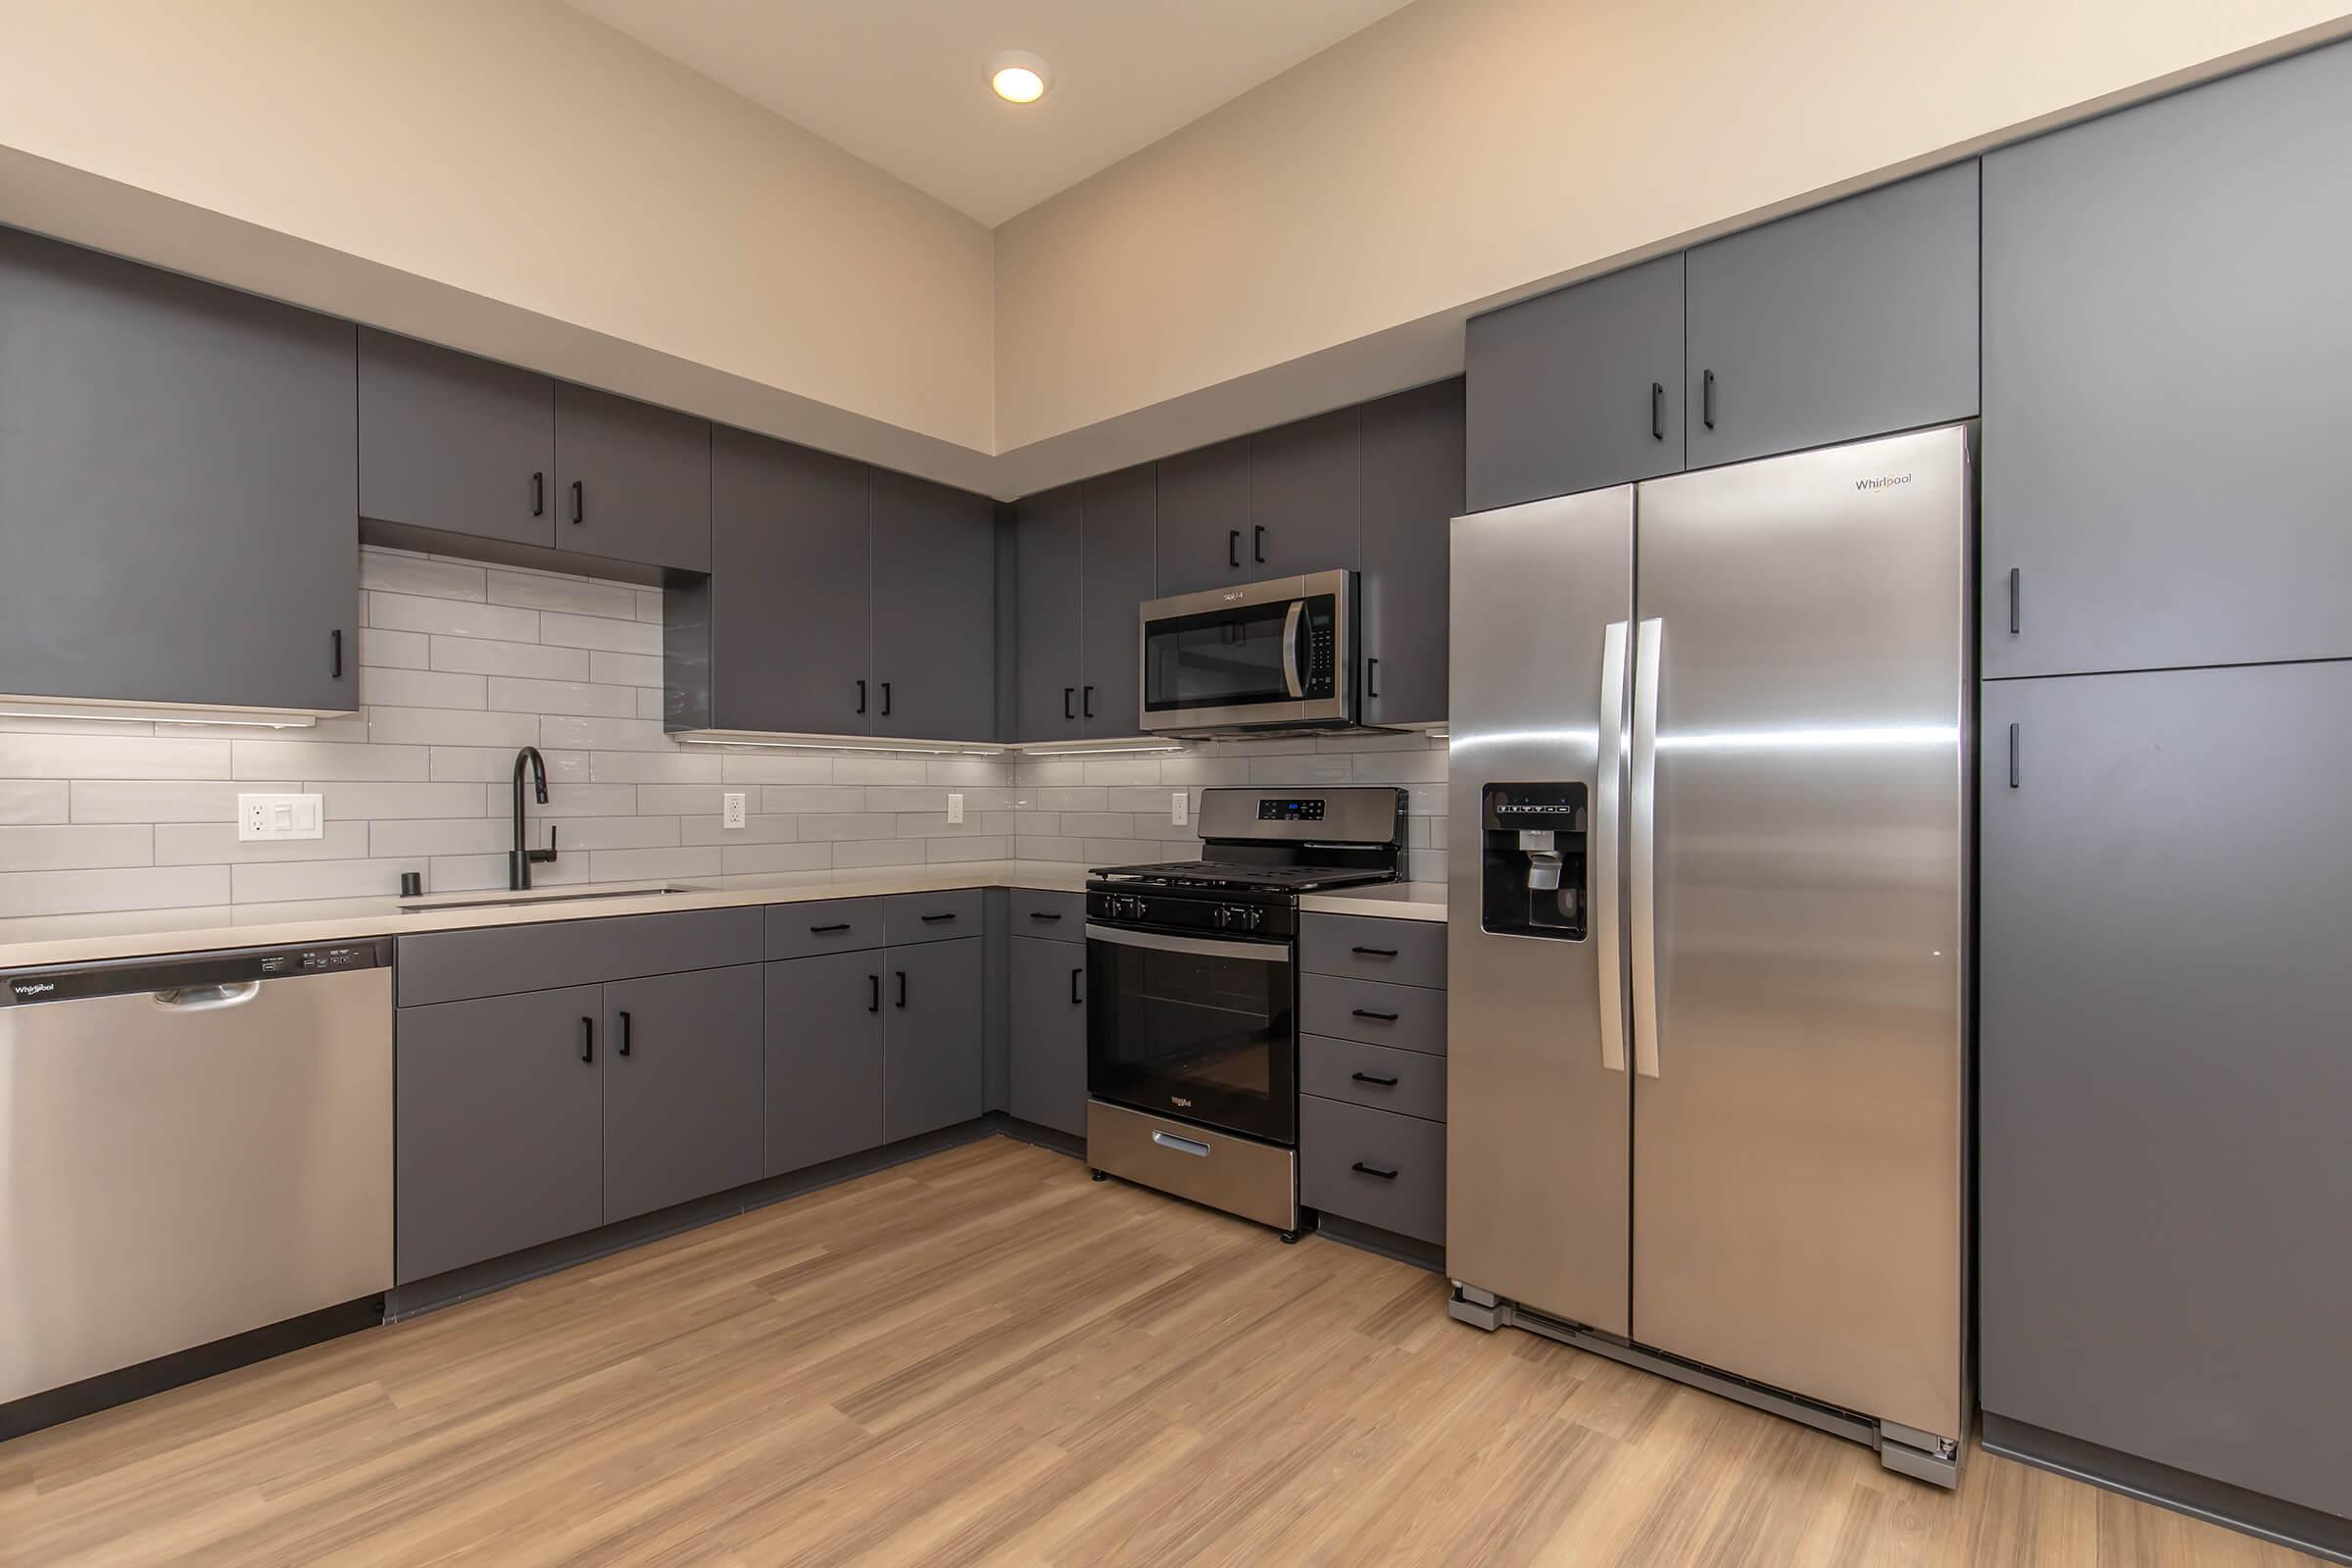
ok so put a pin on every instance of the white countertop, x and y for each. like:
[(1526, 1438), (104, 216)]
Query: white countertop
[(146, 933)]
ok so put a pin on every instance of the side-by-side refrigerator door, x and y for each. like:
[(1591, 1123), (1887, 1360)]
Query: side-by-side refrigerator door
[(1537, 1069), (1797, 894)]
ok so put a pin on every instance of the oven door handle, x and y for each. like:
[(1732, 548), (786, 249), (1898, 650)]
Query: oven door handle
[(1202, 947), (1289, 648)]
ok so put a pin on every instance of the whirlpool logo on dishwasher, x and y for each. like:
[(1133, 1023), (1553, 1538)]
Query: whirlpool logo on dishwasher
[(34, 988)]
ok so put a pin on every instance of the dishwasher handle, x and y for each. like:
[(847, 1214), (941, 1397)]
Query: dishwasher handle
[(208, 997)]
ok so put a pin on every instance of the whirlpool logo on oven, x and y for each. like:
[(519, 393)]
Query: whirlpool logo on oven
[(1179, 1099)]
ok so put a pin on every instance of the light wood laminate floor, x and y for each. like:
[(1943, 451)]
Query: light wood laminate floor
[(984, 1357)]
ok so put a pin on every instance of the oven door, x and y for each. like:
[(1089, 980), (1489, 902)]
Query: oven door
[(1269, 652), (1197, 1027)]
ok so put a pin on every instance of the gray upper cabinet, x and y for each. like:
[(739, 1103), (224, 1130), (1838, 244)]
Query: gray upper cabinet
[(1303, 494), (1851, 320), (498, 1111), (824, 1058), (452, 442), (2168, 319), (932, 1057), (2163, 1065), (1123, 532), (1204, 518), (1412, 485), (682, 1088), (790, 623), (935, 610), (1049, 653), (1577, 389), (1047, 1068), (179, 488), (632, 481)]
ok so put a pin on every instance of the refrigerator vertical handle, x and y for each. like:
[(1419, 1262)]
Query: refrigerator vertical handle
[(1608, 778), (1643, 902)]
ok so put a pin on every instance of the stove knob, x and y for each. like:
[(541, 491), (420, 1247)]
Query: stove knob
[(1223, 917), (1258, 919)]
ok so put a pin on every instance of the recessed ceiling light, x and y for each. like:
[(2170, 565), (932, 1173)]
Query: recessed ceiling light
[(1019, 76)]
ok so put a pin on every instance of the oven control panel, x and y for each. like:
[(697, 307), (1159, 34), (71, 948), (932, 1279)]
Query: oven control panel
[(1290, 810), (1204, 912)]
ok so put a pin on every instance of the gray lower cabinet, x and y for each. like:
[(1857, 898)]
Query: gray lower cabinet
[(825, 1056), (632, 480), (931, 1040), (179, 488), (2168, 318), (1373, 1166), (498, 1115), (1577, 389), (935, 610), (682, 1088), (2164, 1067), (1049, 1033), (1204, 511), (1850, 320), (1304, 481), (1412, 489), (452, 442)]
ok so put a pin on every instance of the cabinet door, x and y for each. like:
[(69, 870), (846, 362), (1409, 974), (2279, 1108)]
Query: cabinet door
[(1851, 320), (179, 488), (2163, 1069), (1578, 389), (1121, 545), (931, 1038), (1049, 1033), (1303, 491), (1048, 554), (498, 1117), (824, 1057), (1204, 518), (935, 610), (681, 1088), (790, 644), (451, 442), (633, 481), (2168, 319), (1412, 490)]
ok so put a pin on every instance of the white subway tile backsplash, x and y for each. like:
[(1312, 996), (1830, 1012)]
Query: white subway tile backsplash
[(776, 767), (494, 764), (1121, 770), (910, 798), (72, 849), (395, 650), (38, 800), (216, 844), (471, 873), (624, 670), (1401, 767), (737, 859), (514, 695), (452, 617), (528, 660), (649, 604), (597, 632), (848, 825), (755, 829), (166, 800), (654, 768), (579, 732), (420, 837), (685, 800), (993, 848), (418, 688), (271, 882), (329, 760), (858, 852), (627, 866), (1098, 825), (399, 572), (1311, 768), (364, 800), (875, 769), (652, 702), (452, 726), (609, 832), (574, 596), (151, 887), (812, 798), (1071, 797), (111, 756)]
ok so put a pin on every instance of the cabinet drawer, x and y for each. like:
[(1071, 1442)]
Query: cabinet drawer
[(1059, 915), (451, 965), (1408, 1017), (931, 916), (824, 925), (1404, 953), (1410, 1083), (1374, 1166)]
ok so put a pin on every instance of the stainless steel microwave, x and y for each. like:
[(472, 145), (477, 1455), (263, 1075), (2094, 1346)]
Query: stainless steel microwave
[(1276, 654)]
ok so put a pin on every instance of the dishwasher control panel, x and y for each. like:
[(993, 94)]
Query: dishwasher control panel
[(117, 977)]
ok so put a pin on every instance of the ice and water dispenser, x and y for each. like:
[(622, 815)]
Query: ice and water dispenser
[(1532, 872)]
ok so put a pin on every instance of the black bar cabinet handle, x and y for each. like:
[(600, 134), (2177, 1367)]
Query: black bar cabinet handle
[(1388, 1175), (334, 653), (1657, 411), (587, 1039), (1044, 914), (1258, 546), (1233, 548), (1384, 1017), (1373, 1078), (827, 930), (1069, 700), (902, 988), (862, 696), (1375, 953), (579, 503), (625, 1033), (934, 919), (1706, 400), (539, 494), (873, 1000), (1076, 1001), (2013, 587), (886, 699), (1087, 706), (1371, 677), (2012, 757)]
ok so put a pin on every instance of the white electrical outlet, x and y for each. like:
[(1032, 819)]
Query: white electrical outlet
[(955, 809), (279, 816), (732, 805), (1178, 803)]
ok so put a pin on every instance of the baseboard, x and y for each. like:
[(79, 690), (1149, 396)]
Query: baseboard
[(1388, 1244), (2288, 1523)]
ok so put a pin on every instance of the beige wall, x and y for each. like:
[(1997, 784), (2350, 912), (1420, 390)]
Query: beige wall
[(507, 149), (1463, 149)]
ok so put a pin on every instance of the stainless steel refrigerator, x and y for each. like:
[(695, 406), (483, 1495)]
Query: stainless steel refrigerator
[(1708, 1068)]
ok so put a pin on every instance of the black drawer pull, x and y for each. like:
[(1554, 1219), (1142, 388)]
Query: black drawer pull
[(1233, 548), (1087, 706), (1706, 400), (862, 696), (1373, 1078), (1042, 914), (823, 930), (587, 1039), (902, 988), (1375, 953), (1371, 677), (579, 504), (334, 653), (538, 495), (1076, 1001), (1384, 1017), (1657, 411), (934, 919), (886, 699), (1388, 1175), (874, 1002), (1070, 701), (624, 1034), (2014, 574), (1258, 544)]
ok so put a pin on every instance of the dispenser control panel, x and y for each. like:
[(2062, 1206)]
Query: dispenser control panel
[(1532, 878)]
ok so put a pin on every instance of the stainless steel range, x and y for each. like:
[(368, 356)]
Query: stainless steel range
[(1191, 1044)]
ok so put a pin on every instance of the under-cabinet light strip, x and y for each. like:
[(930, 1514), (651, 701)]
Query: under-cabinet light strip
[(160, 715)]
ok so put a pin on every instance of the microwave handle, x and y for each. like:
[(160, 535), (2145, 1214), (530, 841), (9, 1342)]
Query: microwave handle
[(1289, 648)]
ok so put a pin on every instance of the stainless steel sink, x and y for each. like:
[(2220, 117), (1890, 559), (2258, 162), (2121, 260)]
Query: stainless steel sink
[(475, 901)]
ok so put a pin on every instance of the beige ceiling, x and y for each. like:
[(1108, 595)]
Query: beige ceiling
[(898, 82)]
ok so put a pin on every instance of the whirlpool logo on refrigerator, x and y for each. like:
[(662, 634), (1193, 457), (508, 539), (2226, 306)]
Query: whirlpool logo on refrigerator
[(1884, 481)]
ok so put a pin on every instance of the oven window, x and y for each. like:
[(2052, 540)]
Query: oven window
[(1217, 659), (1200, 1036)]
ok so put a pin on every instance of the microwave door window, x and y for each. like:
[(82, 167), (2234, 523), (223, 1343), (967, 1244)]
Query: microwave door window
[(1221, 659)]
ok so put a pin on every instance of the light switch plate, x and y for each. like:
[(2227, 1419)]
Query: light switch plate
[(1179, 805), (732, 805), (271, 818), (955, 809)]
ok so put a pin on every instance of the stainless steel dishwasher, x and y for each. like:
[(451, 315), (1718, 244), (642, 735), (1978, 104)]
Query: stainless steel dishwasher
[(190, 1148)]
